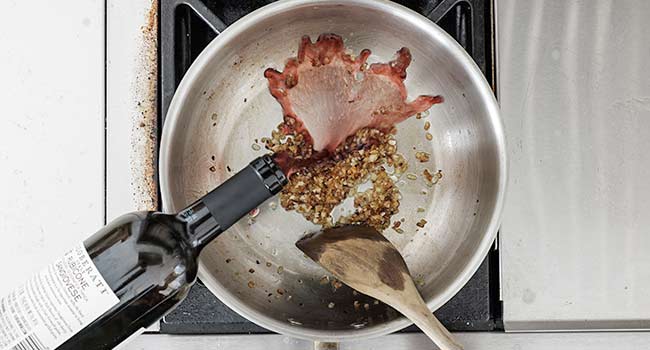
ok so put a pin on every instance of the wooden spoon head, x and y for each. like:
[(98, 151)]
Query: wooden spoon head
[(360, 257)]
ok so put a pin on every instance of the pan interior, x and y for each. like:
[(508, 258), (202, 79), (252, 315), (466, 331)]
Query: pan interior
[(255, 267)]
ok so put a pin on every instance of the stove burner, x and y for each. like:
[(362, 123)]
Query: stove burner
[(188, 26)]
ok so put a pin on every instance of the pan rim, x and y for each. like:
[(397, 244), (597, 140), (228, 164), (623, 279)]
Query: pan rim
[(485, 93)]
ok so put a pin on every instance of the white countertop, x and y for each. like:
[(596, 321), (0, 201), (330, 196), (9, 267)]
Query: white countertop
[(404, 341), (51, 130), (71, 146)]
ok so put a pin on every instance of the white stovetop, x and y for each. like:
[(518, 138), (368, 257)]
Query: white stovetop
[(575, 99), (54, 186)]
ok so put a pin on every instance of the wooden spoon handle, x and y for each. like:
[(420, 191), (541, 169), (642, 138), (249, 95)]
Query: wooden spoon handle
[(430, 325)]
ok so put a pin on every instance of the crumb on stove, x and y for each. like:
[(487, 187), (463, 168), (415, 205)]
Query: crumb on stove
[(420, 210), (427, 125), (251, 270), (421, 223), (428, 136), (251, 284), (268, 264), (228, 168), (280, 270), (324, 280), (213, 169), (280, 291), (228, 261), (331, 305)]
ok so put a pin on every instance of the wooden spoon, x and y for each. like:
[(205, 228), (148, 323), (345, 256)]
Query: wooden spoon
[(365, 260)]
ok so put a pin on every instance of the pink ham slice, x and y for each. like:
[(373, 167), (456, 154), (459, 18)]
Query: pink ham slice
[(330, 94)]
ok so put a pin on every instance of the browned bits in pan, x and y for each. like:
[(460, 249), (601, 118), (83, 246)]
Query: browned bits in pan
[(432, 179), (336, 284), (423, 157), (316, 190)]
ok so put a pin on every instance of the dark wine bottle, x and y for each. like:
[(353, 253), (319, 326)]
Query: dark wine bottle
[(148, 260)]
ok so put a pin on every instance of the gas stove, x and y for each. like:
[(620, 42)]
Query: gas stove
[(188, 26)]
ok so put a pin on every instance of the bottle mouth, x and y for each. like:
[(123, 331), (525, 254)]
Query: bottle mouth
[(270, 172)]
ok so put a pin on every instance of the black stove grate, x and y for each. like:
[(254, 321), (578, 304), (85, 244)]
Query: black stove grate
[(188, 26)]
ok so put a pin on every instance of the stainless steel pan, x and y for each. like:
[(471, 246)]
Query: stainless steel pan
[(223, 104)]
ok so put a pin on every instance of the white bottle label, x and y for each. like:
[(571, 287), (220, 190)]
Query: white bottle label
[(55, 304)]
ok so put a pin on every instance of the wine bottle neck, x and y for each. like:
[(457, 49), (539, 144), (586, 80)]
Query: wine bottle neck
[(222, 207), (202, 227)]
